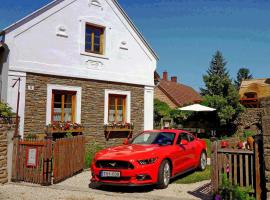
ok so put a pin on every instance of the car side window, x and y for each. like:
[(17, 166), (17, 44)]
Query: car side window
[(191, 137), (182, 136)]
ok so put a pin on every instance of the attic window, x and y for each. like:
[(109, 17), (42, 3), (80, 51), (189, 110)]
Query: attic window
[(94, 39)]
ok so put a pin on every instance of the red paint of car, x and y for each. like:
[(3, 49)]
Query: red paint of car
[(152, 157)]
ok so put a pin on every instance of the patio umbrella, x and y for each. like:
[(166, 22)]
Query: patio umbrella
[(197, 108)]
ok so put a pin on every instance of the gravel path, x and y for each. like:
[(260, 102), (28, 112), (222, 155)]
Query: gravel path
[(76, 188)]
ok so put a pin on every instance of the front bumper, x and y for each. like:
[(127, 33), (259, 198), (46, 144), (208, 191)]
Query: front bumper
[(141, 175)]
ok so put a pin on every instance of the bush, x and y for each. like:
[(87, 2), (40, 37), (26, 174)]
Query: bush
[(229, 191), (5, 111), (248, 133), (90, 151)]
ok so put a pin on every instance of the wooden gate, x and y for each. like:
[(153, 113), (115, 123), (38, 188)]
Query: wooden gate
[(68, 157), (32, 161), (45, 161), (242, 167)]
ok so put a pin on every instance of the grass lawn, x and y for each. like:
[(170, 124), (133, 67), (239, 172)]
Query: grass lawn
[(193, 177), (208, 144)]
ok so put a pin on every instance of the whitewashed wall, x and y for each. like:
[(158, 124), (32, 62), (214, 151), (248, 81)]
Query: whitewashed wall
[(35, 46), (41, 46)]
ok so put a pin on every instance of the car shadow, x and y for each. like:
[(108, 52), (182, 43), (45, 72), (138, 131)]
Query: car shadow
[(174, 179), (122, 189)]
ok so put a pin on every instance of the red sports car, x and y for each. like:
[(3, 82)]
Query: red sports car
[(152, 157)]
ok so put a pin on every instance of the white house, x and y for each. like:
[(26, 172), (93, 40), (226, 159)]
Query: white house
[(79, 60)]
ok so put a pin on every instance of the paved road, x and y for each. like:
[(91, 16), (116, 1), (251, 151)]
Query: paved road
[(76, 188)]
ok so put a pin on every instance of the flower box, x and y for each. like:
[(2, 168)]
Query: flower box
[(63, 127), (119, 128)]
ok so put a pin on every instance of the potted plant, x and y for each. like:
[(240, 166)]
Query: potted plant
[(240, 145), (224, 144)]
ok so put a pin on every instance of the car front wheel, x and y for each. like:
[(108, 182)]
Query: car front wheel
[(164, 175), (203, 161)]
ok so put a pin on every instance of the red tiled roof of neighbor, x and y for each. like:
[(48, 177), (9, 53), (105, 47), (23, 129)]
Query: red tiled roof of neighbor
[(180, 94)]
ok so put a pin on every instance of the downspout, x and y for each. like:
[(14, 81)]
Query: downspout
[(4, 51), (2, 39)]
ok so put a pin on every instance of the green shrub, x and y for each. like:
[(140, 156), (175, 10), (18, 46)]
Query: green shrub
[(5, 110), (229, 191), (90, 151), (248, 134)]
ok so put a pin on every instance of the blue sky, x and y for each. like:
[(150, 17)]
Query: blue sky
[(186, 33)]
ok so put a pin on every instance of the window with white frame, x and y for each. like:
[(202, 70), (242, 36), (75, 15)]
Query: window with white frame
[(63, 104), (117, 106)]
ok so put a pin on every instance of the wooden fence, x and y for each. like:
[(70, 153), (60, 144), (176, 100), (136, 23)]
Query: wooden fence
[(68, 157), (45, 162), (32, 161), (242, 167)]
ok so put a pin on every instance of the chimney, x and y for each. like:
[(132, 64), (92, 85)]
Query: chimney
[(174, 79), (165, 76)]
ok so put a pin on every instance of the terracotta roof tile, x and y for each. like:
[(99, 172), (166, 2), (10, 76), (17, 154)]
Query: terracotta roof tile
[(180, 94)]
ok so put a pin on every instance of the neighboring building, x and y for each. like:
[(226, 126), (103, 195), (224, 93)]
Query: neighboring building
[(82, 61), (173, 93), (253, 91)]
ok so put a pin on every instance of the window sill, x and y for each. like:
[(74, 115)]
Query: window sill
[(94, 55)]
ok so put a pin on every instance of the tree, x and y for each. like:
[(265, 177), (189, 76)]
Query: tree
[(242, 74), (217, 78), (220, 93), (162, 110)]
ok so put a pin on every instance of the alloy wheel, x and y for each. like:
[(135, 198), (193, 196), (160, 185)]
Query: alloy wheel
[(167, 173), (203, 161)]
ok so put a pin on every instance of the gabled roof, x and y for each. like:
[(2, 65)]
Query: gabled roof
[(180, 94), (56, 2)]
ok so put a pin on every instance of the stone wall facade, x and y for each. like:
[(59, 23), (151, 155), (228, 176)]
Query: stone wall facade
[(266, 145), (250, 119), (92, 105), (4, 129), (160, 95)]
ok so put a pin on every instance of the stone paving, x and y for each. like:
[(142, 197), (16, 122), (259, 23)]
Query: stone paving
[(77, 187)]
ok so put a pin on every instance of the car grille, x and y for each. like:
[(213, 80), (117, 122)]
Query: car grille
[(114, 164)]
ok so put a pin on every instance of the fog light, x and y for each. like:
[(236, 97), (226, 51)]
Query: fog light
[(143, 177)]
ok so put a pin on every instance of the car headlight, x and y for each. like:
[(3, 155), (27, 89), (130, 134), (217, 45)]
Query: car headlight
[(147, 161)]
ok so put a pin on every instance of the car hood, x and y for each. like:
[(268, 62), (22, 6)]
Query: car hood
[(128, 152)]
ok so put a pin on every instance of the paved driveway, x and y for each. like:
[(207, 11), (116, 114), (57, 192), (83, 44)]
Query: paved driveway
[(77, 188)]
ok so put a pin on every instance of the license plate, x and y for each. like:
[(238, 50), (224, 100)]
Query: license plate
[(110, 174)]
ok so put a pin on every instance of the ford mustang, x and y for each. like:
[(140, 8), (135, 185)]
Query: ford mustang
[(151, 158)]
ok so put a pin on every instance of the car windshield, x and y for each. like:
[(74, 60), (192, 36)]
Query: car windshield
[(161, 138)]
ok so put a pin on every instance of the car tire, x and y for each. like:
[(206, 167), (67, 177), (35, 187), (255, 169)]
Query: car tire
[(164, 175), (202, 161)]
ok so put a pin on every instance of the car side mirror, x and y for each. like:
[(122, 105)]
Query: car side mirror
[(125, 142), (184, 142)]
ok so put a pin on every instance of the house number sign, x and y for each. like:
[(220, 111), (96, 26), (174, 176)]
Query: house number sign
[(31, 157)]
